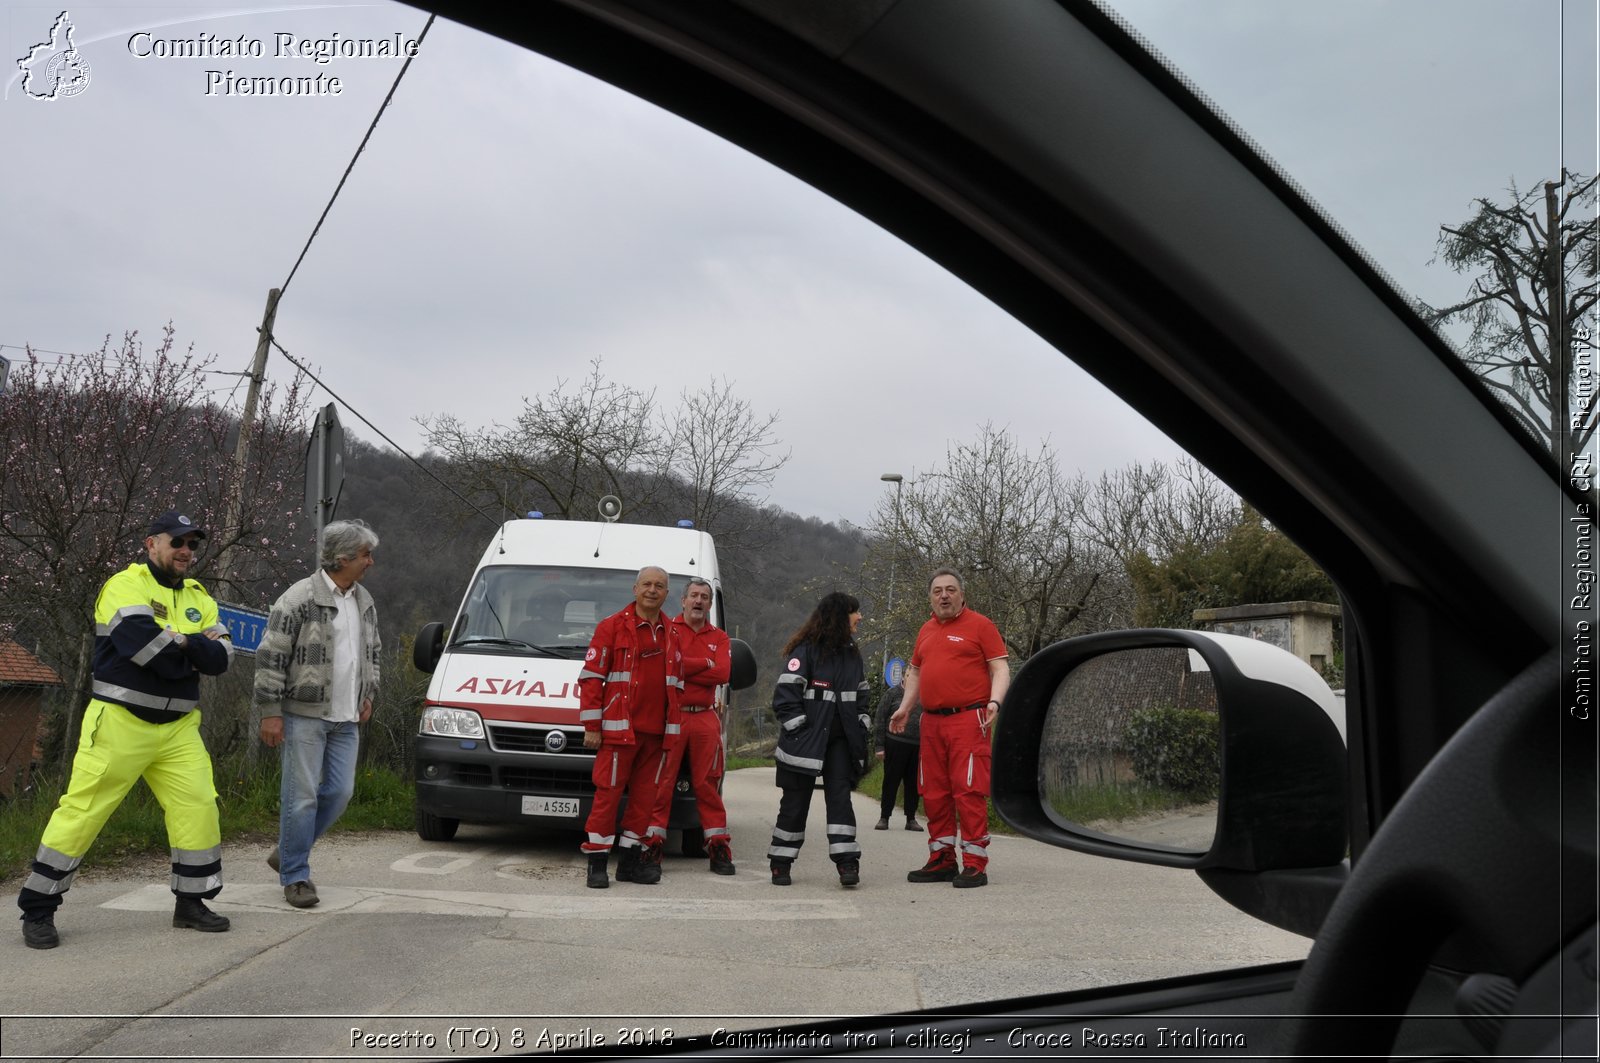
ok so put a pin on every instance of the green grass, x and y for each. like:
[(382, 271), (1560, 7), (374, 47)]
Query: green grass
[(1088, 804)]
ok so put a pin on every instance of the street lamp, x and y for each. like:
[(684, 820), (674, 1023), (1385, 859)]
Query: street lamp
[(894, 551)]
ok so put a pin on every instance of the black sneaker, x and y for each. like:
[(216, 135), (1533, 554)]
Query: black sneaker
[(941, 868), (40, 933), (970, 878), (721, 859), (191, 913), (882, 824), (780, 874), (912, 824), (849, 872)]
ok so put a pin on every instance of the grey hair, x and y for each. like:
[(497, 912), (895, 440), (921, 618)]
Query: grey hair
[(698, 581), (946, 572), (652, 568), (342, 540)]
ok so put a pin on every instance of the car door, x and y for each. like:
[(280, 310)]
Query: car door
[(1036, 150)]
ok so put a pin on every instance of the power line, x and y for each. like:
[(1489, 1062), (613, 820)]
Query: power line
[(284, 287), (403, 453)]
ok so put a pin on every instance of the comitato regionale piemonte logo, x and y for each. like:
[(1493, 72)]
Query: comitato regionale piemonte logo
[(54, 69)]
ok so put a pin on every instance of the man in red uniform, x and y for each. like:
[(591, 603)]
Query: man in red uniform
[(628, 696), (707, 663), (959, 673)]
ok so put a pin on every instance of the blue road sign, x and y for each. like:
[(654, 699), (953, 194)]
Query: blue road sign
[(245, 627), (894, 671)]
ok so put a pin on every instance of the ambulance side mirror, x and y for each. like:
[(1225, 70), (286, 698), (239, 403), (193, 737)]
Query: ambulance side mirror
[(428, 648), (743, 673)]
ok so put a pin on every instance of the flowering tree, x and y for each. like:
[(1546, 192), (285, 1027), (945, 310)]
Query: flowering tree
[(91, 448)]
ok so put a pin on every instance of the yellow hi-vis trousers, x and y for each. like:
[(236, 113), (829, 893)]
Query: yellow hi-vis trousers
[(115, 750)]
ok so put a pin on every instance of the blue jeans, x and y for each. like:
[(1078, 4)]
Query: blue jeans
[(319, 775)]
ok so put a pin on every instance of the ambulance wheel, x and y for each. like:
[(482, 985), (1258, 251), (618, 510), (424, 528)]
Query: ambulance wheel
[(432, 828)]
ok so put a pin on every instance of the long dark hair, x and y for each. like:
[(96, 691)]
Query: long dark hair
[(828, 626)]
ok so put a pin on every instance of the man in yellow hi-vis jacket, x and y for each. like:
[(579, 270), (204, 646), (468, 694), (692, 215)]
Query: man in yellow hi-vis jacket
[(156, 633)]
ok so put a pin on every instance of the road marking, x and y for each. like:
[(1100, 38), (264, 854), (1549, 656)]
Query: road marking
[(454, 861), (364, 900)]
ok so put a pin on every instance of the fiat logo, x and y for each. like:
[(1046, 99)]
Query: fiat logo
[(555, 741)]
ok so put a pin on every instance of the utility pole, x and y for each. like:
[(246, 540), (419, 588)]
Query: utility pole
[(241, 450), (888, 607)]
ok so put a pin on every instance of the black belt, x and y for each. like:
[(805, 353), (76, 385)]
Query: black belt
[(694, 708), (959, 708)]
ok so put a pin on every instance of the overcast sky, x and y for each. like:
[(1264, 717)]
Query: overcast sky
[(512, 220)]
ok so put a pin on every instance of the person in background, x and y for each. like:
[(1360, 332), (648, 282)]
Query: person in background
[(156, 634), (820, 702), (959, 674), (316, 676), (628, 695), (707, 663), (899, 754)]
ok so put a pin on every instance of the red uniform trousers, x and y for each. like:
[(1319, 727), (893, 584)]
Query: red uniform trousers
[(954, 780), (637, 770), (702, 738)]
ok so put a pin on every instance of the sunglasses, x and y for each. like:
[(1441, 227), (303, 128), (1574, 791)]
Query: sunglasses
[(190, 543)]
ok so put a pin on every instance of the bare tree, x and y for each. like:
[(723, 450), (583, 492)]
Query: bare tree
[(723, 455), (1015, 527), (1045, 555), (91, 447), (568, 448), (576, 444), (1527, 303)]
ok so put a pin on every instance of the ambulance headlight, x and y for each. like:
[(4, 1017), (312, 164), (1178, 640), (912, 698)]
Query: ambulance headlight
[(451, 723)]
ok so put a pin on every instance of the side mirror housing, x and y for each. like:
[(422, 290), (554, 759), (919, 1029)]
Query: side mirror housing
[(743, 672), (1186, 749), (428, 648)]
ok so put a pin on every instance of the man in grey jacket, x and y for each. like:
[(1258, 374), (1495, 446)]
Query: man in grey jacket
[(316, 676)]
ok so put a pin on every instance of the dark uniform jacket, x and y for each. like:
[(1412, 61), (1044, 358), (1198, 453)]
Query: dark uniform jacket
[(812, 688), (137, 662)]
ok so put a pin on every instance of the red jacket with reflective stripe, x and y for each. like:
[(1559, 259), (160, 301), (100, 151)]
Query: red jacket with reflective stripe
[(707, 661), (607, 688)]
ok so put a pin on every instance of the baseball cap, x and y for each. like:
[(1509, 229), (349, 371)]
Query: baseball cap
[(174, 523)]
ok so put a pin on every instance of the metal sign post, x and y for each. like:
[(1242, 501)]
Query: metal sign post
[(324, 468)]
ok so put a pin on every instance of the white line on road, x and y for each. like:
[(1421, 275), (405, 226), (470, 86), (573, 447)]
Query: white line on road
[(348, 900)]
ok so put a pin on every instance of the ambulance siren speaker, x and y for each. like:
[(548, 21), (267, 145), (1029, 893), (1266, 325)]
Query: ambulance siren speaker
[(611, 507)]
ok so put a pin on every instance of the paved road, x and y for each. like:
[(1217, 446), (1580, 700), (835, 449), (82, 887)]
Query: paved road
[(495, 932)]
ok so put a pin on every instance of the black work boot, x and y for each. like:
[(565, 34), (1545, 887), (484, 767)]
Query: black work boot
[(627, 863), (648, 873), (598, 880), (40, 933), (780, 873), (849, 872), (191, 913), (721, 858)]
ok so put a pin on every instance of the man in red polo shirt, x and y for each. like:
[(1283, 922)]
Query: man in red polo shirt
[(707, 663), (959, 673), (628, 701)]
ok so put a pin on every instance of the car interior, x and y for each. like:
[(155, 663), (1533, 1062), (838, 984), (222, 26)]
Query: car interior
[(1442, 856)]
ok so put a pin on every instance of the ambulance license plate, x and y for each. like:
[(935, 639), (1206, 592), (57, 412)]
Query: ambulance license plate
[(550, 806)]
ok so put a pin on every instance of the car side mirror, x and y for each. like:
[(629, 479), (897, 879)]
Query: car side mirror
[(742, 673), (428, 648), (1181, 748)]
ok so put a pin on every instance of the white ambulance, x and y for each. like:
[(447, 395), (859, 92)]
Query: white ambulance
[(499, 738)]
